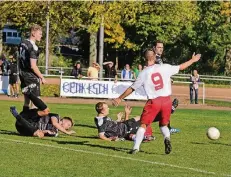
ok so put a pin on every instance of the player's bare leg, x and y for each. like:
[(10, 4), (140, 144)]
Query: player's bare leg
[(139, 138)]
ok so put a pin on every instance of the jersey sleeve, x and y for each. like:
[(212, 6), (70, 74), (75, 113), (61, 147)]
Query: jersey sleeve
[(139, 81), (172, 70), (33, 54), (100, 125), (54, 115)]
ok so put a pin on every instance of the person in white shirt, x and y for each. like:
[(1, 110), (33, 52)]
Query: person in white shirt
[(156, 80)]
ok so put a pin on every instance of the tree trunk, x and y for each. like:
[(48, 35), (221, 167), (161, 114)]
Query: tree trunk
[(117, 61), (93, 48), (0, 41), (228, 62)]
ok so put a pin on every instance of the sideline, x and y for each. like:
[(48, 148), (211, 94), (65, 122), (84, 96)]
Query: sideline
[(116, 156)]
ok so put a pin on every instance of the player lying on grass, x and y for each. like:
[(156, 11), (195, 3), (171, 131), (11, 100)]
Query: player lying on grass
[(111, 130), (40, 122), (115, 130)]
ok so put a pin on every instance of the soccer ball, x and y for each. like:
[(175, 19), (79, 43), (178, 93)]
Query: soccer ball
[(213, 133)]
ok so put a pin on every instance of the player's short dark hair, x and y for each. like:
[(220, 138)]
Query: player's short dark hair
[(99, 107), (70, 119), (157, 42), (35, 27), (148, 50)]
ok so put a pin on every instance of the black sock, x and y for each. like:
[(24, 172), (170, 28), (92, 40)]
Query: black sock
[(25, 108), (37, 102)]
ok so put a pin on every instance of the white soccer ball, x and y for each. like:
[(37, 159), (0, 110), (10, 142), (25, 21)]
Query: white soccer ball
[(213, 133)]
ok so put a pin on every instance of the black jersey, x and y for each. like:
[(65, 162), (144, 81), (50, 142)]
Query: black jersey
[(46, 124), (13, 68), (110, 128), (27, 50), (158, 59), (41, 123)]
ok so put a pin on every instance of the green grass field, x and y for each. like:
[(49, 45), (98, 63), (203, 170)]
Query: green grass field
[(84, 155)]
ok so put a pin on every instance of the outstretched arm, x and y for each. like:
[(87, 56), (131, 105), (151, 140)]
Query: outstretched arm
[(127, 92), (188, 63), (107, 62)]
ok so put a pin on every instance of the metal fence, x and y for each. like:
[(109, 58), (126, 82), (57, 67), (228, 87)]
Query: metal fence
[(66, 71)]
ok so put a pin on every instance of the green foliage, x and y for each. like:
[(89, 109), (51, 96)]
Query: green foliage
[(56, 61), (50, 90), (184, 26)]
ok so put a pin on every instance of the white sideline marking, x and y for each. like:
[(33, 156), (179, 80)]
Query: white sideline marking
[(116, 156)]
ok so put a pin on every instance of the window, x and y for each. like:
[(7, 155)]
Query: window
[(4, 36), (14, 34), (9, 34)]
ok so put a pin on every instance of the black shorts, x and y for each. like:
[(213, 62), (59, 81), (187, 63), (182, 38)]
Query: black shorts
[(28, 124), (13, 79), (132, 126), (28, 78)]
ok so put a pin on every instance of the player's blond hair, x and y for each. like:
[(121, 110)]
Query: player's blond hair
[(35, 27)]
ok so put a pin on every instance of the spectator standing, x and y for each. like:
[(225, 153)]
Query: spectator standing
[(13, 77), (5, 65), (77, 71), (110, 71), (137, 70), (194, 79), (93, 71), (126, 73)]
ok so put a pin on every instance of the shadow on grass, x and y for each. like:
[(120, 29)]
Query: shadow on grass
[(212, 142), (84, 125), (7, 132), (89, 137), (86, 143)]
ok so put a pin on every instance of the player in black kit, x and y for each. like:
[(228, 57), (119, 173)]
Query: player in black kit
[(39, 122), (29, 73)]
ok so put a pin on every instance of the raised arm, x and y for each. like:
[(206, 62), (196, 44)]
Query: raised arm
[(107, 62), (188, 63)]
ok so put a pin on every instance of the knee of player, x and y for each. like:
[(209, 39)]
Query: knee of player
[(144, 126)]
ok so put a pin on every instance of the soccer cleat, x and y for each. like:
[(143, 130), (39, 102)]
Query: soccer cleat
[(174, 105), (168, 147), (174, 130), (14, 111), (134, 151)]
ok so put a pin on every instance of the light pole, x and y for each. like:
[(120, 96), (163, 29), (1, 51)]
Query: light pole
[(101, 45), (47, 38)]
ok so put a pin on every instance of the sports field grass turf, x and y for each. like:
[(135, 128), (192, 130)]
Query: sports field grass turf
[(84, 155)]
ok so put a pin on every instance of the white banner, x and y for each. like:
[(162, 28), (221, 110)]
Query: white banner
[(4, 84), (98, 89)]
